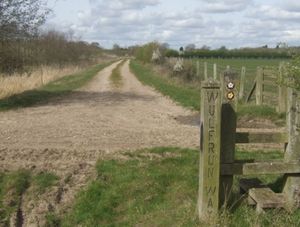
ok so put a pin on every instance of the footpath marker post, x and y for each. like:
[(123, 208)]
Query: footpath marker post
[(210, 140), (228, 129)]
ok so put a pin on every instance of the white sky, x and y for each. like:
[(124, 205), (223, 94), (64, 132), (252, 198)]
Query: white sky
[(233, 23)]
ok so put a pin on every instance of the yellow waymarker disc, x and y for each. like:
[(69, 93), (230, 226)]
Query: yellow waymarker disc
[(230, 95)]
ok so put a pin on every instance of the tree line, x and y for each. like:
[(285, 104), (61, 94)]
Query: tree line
[(145, 52), (235, 53), (23, 45)]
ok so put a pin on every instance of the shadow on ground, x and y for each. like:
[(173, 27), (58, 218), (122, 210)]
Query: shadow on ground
[(41, 98)]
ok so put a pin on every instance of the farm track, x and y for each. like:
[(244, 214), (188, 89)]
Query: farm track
[(97, 118), (69, 134)]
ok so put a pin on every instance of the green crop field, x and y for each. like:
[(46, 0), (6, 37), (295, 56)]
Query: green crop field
[(237, 64)]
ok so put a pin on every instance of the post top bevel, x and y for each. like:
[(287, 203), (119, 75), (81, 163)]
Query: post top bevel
[(211, 83)]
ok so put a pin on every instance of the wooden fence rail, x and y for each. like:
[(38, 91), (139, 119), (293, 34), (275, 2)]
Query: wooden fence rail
[(269, 88)]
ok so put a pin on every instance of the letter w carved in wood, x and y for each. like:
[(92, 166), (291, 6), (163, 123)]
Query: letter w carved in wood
[(212, 96), (210, 190)]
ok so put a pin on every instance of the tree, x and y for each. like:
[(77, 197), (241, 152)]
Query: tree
[(190, 47), (165, 46), (205, 47), (291, 75), (116, 47), (282, 45), (95, 44), (21, 18)]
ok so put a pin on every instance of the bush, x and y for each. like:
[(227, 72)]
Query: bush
[(291, 73), (51, 48), (189, 70), (145, 53)]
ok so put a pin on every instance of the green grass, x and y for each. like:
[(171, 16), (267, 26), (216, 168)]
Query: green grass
[(44, 180), (14, 184), (237, 64), (190, 97), (53, 89), (186, 96), (116, 77), (259, 111), (158, 187)]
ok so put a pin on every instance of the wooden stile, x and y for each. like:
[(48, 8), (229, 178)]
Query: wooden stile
[(217, 146)]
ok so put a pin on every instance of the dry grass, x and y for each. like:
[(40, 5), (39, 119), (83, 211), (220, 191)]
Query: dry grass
[(15, 84)]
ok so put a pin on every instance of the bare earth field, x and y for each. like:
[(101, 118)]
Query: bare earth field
[(69, 134)]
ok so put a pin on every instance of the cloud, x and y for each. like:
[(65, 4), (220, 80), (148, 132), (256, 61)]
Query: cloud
[(274, 13), (233, 23), (125, 4), (291, 5), (224, 6)]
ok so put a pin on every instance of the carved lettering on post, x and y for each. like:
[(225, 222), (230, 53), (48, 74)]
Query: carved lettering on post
[(209, 166)]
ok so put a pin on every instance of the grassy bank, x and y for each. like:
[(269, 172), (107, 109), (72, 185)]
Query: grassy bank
[(14, 184), (56, 88), (190, 97), (185, 96), (158, 187)]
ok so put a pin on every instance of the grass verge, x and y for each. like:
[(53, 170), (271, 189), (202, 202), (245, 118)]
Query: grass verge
[(185, 96), (14, 184), (158, 187), (44, 180), (190, 97), (266, 112), (115, 76), (56, 88)]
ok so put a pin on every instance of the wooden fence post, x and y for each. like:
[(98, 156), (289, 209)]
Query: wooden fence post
[(242, 83), (228, 130), (215, 71), (226, 78), (259, 86), (209, 165), (198, 69), (292, 184), (282, 90), (205, 71)]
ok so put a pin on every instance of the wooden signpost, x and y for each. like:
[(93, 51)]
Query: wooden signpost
[(217, 145), (209, 173)]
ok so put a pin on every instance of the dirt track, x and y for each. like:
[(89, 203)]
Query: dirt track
[(95, 118), (70, 133)]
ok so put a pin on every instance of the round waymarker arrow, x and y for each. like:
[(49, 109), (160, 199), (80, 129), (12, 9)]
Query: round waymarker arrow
[(230, 95), (230, 85)]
